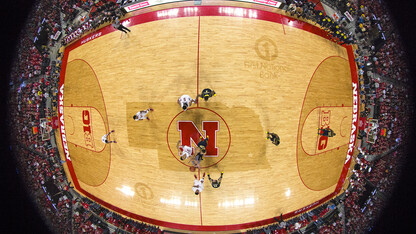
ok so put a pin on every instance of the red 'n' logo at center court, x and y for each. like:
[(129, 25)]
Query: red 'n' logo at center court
[(189, 132)]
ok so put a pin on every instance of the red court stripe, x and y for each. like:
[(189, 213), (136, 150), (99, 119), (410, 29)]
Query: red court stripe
[(200, 207), (197, 66), (283, 24)]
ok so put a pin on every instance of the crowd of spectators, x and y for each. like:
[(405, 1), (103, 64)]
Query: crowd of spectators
[(371, 186), (92, 14), (91, 217), (383, 77), (371, 15), (306, 10), (120, 222), (385, 171), (320, 218), (30, 103), (38, 170), (86, 222), (34, 82), (388, 60)]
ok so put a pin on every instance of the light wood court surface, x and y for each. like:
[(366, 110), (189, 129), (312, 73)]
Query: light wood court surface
[(267, 78)]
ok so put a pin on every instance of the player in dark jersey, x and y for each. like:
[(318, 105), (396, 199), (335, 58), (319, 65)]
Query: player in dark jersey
[(199, 156), (206, 94), (203, 144), (215, 183), (274, 138), (326, 132)]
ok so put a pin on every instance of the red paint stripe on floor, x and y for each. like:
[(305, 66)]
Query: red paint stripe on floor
[(197, 67)]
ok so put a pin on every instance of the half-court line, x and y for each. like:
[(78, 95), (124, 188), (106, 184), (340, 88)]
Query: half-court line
[(197, 63)]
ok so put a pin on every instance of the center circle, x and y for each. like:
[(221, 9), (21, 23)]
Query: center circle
[(196, 124)]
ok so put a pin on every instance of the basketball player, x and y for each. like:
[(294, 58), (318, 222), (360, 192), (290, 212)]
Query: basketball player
[(326, 132), (206, 94), (199, 156), (198, 184), (203, 144), (196, 160), (186, 101), (201, 151), (141, 115), (105, 140), (195, 163), (184, 150), (274, 138), (215, 183)]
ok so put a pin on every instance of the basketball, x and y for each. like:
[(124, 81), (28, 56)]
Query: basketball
[(192, 168)]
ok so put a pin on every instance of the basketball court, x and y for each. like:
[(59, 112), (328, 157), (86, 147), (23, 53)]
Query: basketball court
[(270, 72)]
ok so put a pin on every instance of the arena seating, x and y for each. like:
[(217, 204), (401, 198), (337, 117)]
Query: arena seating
[(34, 85)]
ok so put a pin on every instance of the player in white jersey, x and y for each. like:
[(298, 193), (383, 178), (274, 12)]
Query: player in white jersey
[(186, 101), (184, 150), (141, 115), (198, 184), (105, 140)]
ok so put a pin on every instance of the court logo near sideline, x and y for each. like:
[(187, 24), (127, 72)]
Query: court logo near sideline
[(266, 48), (143, 191), (325, 121), (86, 120)]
